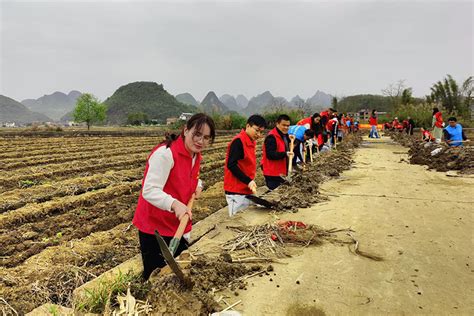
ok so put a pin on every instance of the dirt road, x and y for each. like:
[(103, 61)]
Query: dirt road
[(420, 221)]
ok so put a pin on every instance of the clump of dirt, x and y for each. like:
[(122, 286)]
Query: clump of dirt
[(170, 297), (448, 158), (402, 138), (305, 184)]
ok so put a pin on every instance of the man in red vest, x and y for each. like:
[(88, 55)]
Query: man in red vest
[(276, 153), (241, 164)]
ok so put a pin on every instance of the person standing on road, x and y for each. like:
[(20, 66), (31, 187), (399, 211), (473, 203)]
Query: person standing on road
[(437, 124), (453, 133), (373, 125), (169, 182), (276, 153), (241, 165)]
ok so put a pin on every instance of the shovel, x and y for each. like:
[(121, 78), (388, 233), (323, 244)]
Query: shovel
[(287, 178), (260, 201), (310, 145), (165, 251)]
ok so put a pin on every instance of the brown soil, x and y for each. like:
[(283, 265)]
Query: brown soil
[(26, 240), (449, 158), (326, 165), (170, 297)]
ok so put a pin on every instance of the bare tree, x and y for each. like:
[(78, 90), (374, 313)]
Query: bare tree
[(303, 106), (394, 91), (278, 104)]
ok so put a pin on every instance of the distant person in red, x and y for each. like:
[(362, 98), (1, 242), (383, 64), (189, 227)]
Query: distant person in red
[(331, 128), (170, 179), (405, 124), (373, 125), (411, 126), (325, 117), (396, 124), (241, 164), (426, 135), (437, 124), (276, 153)]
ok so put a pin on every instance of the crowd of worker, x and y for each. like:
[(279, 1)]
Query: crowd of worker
[(452, 134), (171, 178), (286, 147)]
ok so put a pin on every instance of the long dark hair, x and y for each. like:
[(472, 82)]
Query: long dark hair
[(373, 113), (435, 110), (197, 120), (317, 128)]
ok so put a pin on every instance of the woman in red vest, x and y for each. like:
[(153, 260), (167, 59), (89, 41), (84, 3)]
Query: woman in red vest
[(314, 123), (170, 180), (437, 124), (241, 164), (275, 153)]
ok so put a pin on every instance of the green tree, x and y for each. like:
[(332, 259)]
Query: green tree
[(468, 95), (334, 103), (137, 118), (452, 97), (89, 110), (407, 97)]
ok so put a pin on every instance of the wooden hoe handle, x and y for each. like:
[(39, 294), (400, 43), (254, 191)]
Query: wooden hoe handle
[(184, 220), (292, 146)]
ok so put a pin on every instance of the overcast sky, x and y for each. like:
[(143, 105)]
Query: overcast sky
[(235, 47)]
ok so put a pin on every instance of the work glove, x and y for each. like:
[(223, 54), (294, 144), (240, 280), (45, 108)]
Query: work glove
[(174, 244)]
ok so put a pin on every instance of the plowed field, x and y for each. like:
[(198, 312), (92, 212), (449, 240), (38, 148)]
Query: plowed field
[(66, 205)]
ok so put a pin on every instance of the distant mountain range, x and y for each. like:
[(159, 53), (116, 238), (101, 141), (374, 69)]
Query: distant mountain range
[(257, 104), (152, 99), (14, 111), (53, 105)]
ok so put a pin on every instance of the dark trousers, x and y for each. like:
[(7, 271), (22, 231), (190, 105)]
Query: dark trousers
[(151, 252), (273, 182)]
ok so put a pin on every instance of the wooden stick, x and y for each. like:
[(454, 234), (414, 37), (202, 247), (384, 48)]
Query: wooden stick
[(229, 307), (184, 220), (292, 146)]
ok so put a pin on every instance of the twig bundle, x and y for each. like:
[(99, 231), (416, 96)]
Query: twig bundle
[(271, 238)]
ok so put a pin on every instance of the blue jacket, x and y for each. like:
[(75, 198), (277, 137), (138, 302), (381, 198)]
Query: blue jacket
[(455, 135), (298, 131)]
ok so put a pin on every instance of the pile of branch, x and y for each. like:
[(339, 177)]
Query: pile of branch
[(272, 238)]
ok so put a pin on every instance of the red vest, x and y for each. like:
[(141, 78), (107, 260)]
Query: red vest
[(330, 125), (274, 167), (248, 165), (305, 121), (181, 184), (439, 120), (372, 121)]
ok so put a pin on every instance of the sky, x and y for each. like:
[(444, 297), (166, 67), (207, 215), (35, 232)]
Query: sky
[(236, 47)]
